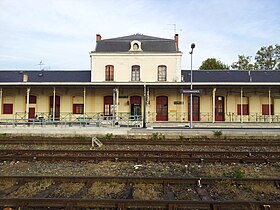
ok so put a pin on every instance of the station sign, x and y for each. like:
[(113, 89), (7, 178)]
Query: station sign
[(190, 91)]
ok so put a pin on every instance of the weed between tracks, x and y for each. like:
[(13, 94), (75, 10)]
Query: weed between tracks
[(31, 188), (100, 190), (66, 190), (6, 183), (229, 190), (147, 192)]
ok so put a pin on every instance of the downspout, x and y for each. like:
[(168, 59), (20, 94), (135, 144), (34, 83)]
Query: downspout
[(213, 104), (27, 102), (241, 105), (53, 114), (84, 101), (269, 104), (1, 99)]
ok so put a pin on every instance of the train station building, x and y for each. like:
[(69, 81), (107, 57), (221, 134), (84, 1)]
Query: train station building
[(138, 80)]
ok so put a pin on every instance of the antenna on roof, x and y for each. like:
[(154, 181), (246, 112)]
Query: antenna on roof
[(41, 64), (175, 27)]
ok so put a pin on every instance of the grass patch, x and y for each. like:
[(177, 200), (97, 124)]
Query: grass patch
[(100, 190), (147, 192), (218, 133)]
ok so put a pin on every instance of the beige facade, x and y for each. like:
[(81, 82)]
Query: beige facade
[(148, 62), (92, 99), (133, 81)]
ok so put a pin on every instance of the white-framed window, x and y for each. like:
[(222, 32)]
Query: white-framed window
[(135, 73), (162, 73), (109, 73)]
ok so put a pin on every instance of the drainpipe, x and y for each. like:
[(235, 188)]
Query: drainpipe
[(1, 96), (117, 101), (145, 102), (182, 106), (27, 103), (213, 104), (241, 105), (269, 106), (84, 100), (53, 114)]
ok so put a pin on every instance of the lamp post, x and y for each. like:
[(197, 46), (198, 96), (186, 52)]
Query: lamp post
[(191, 101)]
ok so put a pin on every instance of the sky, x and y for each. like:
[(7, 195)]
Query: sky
[(61, 33)]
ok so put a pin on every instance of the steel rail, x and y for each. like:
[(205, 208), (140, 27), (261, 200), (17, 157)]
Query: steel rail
[(194, 142), (139, 153), (136, 158), (139, 179), (120, 204)]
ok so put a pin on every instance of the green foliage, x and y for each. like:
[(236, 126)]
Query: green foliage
[(267, 58), (243, 63), (236, 173), (108, 136), (154, 136), (157, 136), (213, 64), (192, 140), (218, 133)]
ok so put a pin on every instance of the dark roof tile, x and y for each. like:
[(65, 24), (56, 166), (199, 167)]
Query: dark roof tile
[(232, 76), (46, 76), (148, 44)]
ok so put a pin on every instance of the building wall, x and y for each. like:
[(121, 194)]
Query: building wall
[(177, 111), (148, 66)]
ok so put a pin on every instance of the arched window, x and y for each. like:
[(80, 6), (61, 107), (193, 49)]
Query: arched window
[(162, 73), (109, 73), (135, 73)]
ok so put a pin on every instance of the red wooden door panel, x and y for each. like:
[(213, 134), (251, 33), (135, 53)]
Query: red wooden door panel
[(219, 109), (162, 108)]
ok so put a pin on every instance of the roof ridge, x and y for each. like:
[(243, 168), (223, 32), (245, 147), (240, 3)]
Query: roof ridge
[(137, 36)]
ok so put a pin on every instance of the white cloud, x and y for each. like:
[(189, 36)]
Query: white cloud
[(62, 32)]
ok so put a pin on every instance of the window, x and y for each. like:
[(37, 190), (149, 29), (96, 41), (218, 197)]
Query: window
[(32, 99), (135, 73), (109, 73), (135, 46), (162, 73), (7, 108), (245, 109), (265, 109), (78, 108)]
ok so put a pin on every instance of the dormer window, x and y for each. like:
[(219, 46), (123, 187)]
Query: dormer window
[(135, 46)]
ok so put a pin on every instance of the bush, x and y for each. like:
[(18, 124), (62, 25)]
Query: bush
[(108, 136), (218, 133), (236, 173)]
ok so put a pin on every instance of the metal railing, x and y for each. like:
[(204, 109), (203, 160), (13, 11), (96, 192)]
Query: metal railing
[(125, 119)]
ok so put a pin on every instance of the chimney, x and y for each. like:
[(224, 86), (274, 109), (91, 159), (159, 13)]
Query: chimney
[(98, 37), (176, 37)]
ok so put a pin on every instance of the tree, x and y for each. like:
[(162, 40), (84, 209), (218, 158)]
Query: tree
[(267, 58), (243, 63), (213, 64)]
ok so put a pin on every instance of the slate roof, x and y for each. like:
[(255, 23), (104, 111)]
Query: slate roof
[(148, 44), (232, 76), (46, 76)]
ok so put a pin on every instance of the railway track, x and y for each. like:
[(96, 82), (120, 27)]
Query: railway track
[(170, 142), (139, 156), (169, 194)]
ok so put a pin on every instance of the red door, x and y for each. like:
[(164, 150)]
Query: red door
[(108, 105), (135, 105), (195, 108), (57, 107), (31, 113), (219, 109), (162, 108), (265, 109)]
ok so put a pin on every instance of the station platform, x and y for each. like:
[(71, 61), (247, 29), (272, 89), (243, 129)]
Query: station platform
[(167, 130)]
